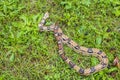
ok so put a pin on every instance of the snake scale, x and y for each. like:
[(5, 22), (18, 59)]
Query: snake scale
[(62, 38)]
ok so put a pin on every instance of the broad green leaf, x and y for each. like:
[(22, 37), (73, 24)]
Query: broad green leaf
[(12, 57), (1, 14), (68, 6), (24, 18), (86, 2), (117, 12), (98, 40), (2, 77), (112, 69), (94, 61)]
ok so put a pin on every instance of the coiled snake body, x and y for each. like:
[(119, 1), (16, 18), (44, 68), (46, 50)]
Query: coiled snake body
[(62, 38)]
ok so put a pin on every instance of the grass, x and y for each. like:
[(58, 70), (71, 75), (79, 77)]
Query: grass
[(27, 54)]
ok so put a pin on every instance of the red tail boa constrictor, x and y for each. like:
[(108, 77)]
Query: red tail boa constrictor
[(62, 38)]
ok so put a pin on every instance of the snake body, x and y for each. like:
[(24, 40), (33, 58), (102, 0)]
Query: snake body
[(62, 38)]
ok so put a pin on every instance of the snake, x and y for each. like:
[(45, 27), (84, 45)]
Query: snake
[(62, 39)]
